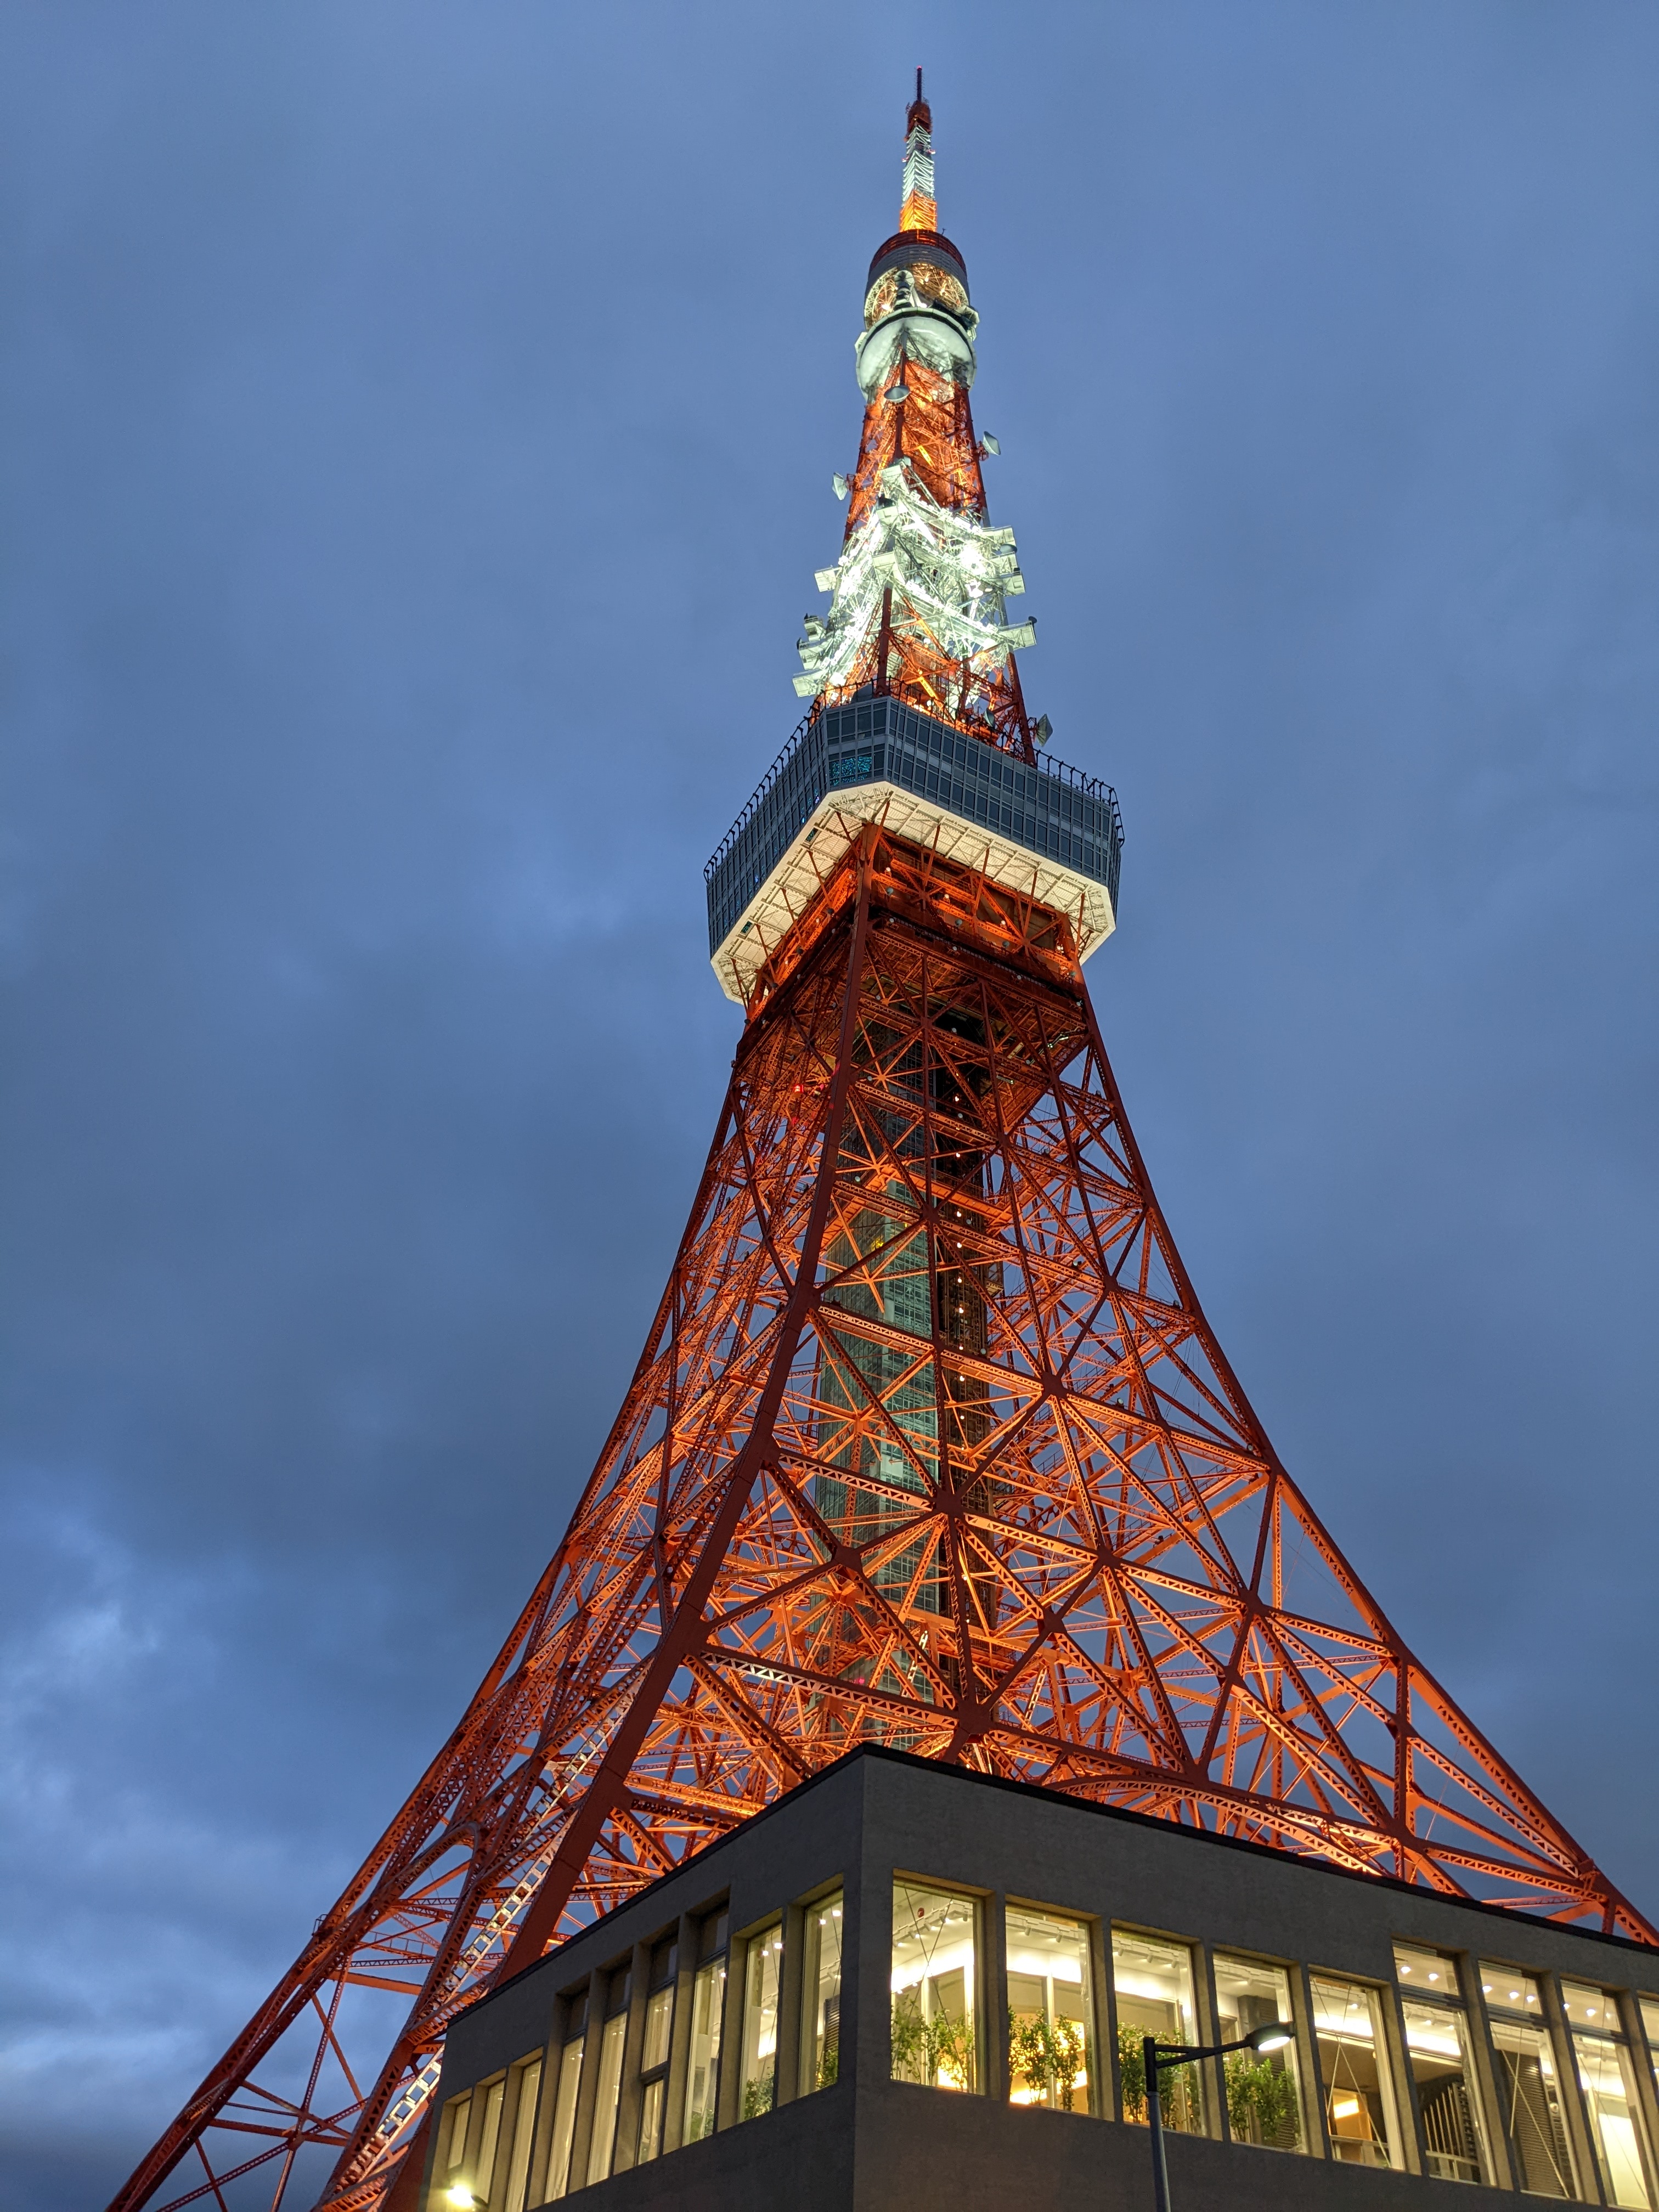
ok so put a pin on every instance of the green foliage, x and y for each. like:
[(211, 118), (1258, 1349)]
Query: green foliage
[(760, 2094), (924, 2049), (1047, 2056), (1131, 2074), (698, 2123), (829, 2062), (1261, 2101), (1177, 2086)]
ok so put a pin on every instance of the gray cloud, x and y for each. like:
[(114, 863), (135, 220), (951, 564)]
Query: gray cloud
[(418, 434)]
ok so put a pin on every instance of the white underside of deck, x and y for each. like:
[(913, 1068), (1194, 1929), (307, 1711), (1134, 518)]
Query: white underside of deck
[(823, 837)]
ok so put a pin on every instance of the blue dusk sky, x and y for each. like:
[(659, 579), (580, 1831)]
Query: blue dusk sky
[(417, 425)]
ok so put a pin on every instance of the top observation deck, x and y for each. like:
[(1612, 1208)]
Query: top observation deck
[(1044, 830)]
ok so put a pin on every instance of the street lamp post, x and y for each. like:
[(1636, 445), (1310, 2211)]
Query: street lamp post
[(1272, 2037)]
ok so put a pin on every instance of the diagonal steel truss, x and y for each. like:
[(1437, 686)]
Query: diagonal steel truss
[(932, 1446)]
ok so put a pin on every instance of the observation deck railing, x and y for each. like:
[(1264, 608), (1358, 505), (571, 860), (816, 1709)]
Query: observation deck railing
[(1051, 808)]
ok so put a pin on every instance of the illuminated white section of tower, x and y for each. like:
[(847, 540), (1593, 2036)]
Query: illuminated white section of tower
[(945, 568)]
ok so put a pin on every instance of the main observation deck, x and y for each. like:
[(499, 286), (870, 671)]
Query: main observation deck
[(1046, 832)]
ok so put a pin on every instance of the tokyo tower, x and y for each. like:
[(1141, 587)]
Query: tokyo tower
[(930, 1444)]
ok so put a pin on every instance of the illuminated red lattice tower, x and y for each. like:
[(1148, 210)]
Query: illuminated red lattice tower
[(930, 1444)]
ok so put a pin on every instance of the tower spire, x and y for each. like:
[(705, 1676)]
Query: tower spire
[(920, 595), (919, 210)]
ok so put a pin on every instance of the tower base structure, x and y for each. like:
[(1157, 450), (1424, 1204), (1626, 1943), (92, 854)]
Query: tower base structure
[(912, 1986), (931, 1448), (931, 1452)]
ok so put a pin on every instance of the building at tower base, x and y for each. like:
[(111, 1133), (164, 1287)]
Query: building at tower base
[(909, 1985)]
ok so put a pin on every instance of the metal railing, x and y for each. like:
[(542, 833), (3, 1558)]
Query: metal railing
[(1049, 808)]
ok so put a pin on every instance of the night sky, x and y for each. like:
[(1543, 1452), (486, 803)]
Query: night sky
[(418, 423)]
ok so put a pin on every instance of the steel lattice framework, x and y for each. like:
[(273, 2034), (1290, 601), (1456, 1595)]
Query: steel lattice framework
[(930, 1446)]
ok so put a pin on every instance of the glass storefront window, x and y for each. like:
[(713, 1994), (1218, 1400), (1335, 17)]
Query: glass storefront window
[(1152, 1980), (763, 1971), (1049, 2039), (1648, 2007), (1528, 2084), (564, 2105), (526, 2082), (1605, 2076), (707, 2004), (1437, 2052), (1353, 2074), (932, 1987), (1264, 2094), (820, 2040)]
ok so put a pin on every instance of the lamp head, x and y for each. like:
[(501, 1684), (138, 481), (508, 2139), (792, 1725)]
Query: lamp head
[(462, 2197), (1273, 2037)]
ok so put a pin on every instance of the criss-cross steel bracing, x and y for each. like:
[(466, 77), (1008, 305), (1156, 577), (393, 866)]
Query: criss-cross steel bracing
[(930, 1446)]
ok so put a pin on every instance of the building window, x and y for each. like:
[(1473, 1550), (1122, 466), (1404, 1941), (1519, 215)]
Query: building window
[(1529, 2083), (820, 2039), (523, 2085), (489, 2138), (1648, 2007), (758, 2043), (568, 2082), (1353, 2074), (456, 2113), (708, 2005), (932, 1987), (1437, 2052), (602, 2142), (1153, 1979), (1050, 2045), (653, 2050), (1608, 2081), (1264, 2094)]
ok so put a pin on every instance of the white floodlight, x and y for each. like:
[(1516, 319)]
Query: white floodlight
[(988, 444), (838, 486)]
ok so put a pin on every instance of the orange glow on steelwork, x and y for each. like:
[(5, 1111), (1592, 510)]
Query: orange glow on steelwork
[(930, 1445), (919, 211)]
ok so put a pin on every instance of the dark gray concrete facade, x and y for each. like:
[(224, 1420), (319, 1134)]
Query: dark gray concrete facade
[(869, 2141)]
